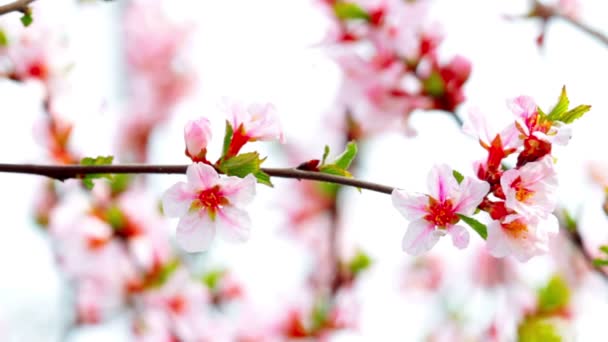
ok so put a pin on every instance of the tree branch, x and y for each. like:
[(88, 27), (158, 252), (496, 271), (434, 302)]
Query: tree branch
[(546, 13), (63, 172), (16, 6)]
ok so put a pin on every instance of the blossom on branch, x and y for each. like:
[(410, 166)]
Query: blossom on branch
[(435, 215), (208, 203)]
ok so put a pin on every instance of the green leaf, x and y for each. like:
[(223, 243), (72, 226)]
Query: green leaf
[(345, 10), (87, 180), (561, 107), (459, 177), (536, 329), (477, 226), (334, 169), (26, 18), (227, 138), (3, 38), (325, 154), (554, 296), (244, 164), (604, 249), (574, 114), (346, 158), (212, 278), (360, 262), (600, 262)]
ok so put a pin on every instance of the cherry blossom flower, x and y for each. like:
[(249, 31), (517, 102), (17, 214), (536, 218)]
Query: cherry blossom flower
[(197, 135), (520, 236), (256, 122), (208, 203), (182, 301), (532, 125), (435, 215), (531, 189)]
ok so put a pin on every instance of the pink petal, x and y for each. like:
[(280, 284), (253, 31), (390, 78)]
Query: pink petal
[(476, 126), (239, 191), (522, 106), (472, 192), (441, 182), (412, 207), (234, 224), (497, 243), (420, 237), (177, 200), (460, 236), (201, 176), (195, 232)]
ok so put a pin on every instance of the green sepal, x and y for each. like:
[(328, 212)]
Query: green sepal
[(244, 164), (115, 217), (87, 180), (477, 226), (163, 275), (434, 85)]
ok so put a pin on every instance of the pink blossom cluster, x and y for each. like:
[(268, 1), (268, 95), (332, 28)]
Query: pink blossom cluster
[(159, 77), (519, 201), (388, 52), (207, 203)]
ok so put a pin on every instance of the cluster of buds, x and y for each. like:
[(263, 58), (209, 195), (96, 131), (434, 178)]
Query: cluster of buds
[(402, 72), (519, 200), (208, 203)]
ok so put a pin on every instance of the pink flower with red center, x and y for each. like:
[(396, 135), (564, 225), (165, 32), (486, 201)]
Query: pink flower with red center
[(255, 122), (520, 236), (532, 125), (208, 203), (197, 135), (531, 189), (435, 215)]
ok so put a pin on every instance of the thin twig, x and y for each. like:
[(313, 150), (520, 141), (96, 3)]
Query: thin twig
[(16, 6), (63, 172)]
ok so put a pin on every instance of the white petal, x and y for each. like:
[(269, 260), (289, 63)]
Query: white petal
[(195, 232), (497, 243), (460, 236), (201, 176), (441, 182), (177, 200), (419, 238), (472, 192), (233, 224), (412, 207), (239, 191)]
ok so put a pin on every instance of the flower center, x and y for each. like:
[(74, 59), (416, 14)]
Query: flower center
[(441, 214), (211, 199), (177, 304), (522, 194), (515, 228)]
